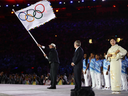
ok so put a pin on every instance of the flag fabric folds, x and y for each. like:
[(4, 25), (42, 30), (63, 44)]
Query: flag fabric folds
[(36, 14)]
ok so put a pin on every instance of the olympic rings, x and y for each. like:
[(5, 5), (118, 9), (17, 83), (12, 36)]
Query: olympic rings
[(34, 12), (40, 16), (27, 14), (43, 8)]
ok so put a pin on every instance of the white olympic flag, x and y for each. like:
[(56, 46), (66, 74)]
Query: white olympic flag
[(36, 14)]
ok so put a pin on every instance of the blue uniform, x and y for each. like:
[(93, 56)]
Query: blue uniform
[(105, 65), (126, 59), (98, 65), (92, 64), (84, 64), (124, 66)]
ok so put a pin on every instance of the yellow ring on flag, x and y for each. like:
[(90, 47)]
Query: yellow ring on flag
[(31, 20)]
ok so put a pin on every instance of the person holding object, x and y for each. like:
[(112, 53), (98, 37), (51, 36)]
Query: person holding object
[(54, 63), (77, 63), (114, 55)]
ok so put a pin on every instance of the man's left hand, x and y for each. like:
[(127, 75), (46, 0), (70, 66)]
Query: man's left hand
[(45, 55), (72, 64)]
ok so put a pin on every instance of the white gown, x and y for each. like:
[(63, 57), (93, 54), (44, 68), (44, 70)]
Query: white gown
[(115, 66)]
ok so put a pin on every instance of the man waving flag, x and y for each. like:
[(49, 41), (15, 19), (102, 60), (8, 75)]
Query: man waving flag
[(36, 14)]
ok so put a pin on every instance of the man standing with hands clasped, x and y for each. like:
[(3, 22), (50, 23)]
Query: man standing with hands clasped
[(77, 63), (54, 63)]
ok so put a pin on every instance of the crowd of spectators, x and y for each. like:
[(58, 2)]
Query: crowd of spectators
[(34, 79)]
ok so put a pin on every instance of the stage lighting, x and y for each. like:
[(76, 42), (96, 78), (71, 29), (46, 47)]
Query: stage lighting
[(64, 3), (12, 12), (90, 41), (32, 67), (6, 5), (118, 40), (17, 5), (55, 35), (82, 0), (28, 4), (71, 1), (13, 5), (78, 1), (0, 5), (103, 0), (114, 5), (94, 0), (57, 10), (60, 2)]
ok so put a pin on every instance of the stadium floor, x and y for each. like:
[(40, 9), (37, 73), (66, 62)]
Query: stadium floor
[(39, 90)]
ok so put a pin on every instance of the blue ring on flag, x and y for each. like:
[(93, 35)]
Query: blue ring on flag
[(23, 19)]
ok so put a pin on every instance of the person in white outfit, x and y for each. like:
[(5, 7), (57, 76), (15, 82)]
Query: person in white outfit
[(114, 56), (86, 71), (106, 69), (98, 71), (124, 71)]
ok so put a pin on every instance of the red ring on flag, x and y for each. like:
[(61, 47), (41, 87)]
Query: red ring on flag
[(41, 5)]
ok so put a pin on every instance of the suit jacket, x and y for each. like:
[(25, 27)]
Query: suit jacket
[(78, 57), (53, 55)]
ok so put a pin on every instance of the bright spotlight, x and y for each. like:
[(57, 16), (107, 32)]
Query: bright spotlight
[(71, 1), (82, 0), (6, 5), (90, 41), (60, 2), (17, 5), (28, 4)]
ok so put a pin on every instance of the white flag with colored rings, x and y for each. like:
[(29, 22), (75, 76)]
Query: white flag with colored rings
[(36, 14)]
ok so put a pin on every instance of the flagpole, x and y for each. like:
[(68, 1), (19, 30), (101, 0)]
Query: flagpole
[(36, 43), (33, 38)]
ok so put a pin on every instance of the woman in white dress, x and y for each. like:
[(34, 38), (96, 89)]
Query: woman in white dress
[(114, 55)]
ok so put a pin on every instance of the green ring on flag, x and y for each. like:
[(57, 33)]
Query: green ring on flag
[(40, 13)]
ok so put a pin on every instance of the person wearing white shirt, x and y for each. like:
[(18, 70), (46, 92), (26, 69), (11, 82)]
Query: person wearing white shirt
[(124, 70), (86, 71), (98, 71), (92, 69), (106, 68)]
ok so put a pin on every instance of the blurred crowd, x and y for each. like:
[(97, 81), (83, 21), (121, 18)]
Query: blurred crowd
[(34, 79)]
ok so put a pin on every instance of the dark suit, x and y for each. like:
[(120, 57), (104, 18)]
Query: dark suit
[(54, 64), (78, 61)]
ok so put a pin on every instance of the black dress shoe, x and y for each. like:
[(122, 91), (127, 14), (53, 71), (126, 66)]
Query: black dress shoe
[(72, 89), (51, 88)]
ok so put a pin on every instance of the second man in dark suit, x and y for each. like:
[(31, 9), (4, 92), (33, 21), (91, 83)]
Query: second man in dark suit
[(77, 63)]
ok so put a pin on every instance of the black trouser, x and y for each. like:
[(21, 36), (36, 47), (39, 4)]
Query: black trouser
[(53, 73), (77, 77)]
